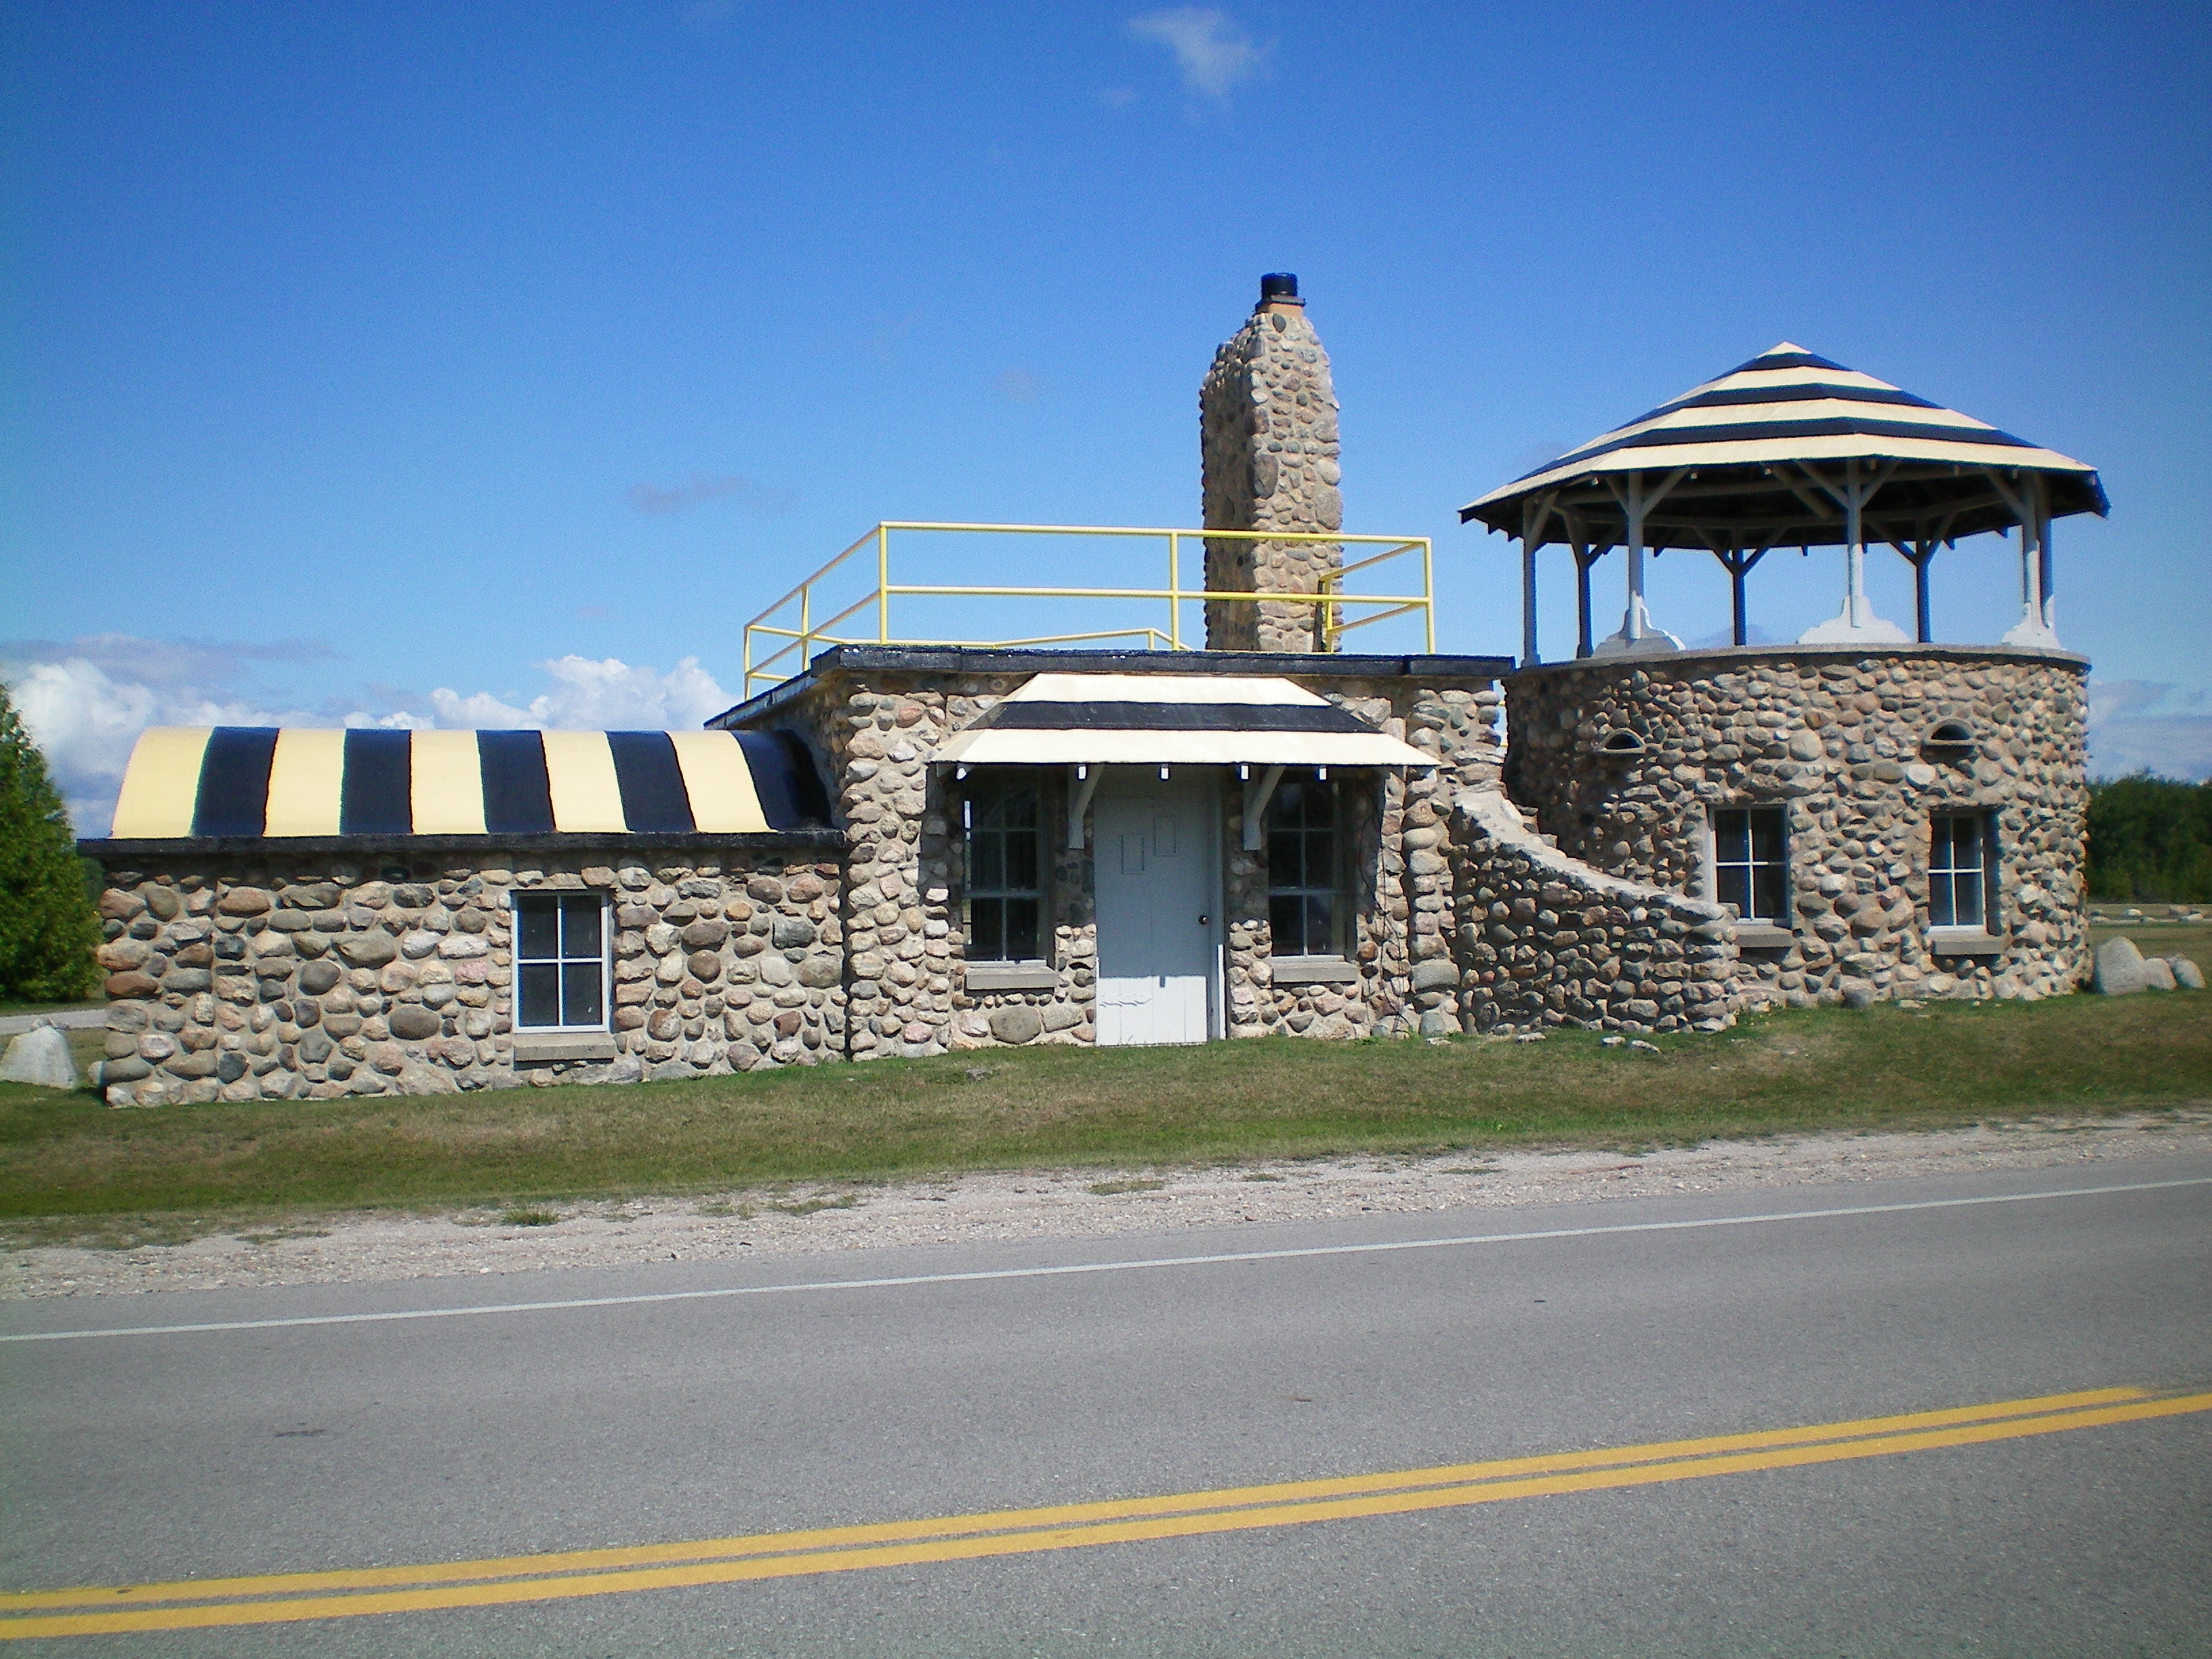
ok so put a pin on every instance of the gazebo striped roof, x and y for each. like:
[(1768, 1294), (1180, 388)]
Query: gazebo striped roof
[(1752, 441), (297, 784)]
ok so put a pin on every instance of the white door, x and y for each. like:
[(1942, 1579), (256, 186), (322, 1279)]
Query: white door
[(1158, 900)]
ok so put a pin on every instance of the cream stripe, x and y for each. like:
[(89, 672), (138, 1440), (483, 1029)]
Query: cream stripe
[(1163, 687), (580, 767), (161, 786), (723, 799), (446, 790), (307, 781)]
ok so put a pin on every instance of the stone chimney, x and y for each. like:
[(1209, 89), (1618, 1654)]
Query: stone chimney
[(1267, 428)]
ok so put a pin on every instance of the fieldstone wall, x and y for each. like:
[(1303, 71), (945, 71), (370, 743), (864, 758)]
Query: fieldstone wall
[(284, 978), (1544, 939), (909, 993), (1839, 738), (1400, 883), (1268, 431)]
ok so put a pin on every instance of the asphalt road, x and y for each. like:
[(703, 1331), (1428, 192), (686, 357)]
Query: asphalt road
[(401, 1442)]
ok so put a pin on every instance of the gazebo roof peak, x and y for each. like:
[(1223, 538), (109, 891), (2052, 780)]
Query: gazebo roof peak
[(1746, 460)]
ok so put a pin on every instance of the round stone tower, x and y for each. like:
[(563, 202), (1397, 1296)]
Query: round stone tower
[(1895, 822)]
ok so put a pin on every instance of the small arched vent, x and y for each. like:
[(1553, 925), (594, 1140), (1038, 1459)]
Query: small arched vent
[(1949, 741), (1620, 745)]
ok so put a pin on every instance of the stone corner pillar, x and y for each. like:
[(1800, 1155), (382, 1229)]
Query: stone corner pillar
[(1268, 431)]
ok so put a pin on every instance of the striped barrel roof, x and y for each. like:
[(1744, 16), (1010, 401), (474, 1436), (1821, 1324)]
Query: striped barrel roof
[(1785, 414), (197, 782)]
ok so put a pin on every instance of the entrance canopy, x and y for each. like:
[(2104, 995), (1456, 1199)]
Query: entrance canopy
[(1172, 720)]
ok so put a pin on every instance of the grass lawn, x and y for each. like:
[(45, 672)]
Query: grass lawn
[(70, 1166)]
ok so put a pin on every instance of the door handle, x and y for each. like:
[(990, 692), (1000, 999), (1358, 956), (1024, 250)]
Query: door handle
[(1205, 921)]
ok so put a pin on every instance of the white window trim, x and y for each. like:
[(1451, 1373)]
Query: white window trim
[(606, 961), (1964, 935), (1786, 921)]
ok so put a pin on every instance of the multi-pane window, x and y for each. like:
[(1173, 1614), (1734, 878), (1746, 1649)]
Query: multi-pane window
[(1750, 862), (559, 962), (1006, 872), (1305, 869), (1959, 858)]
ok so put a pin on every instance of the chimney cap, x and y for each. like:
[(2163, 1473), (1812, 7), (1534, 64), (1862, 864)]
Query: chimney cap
[(1280, 288)]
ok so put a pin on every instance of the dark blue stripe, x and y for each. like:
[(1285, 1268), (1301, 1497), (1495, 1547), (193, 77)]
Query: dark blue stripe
[(518, 799), (377, 796), (234, 798), (1787, 359), (652, 783), (791, 794), (1787, 394), (1749, 431)]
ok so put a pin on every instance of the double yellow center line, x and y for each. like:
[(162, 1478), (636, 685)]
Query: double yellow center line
[(282, 1598)]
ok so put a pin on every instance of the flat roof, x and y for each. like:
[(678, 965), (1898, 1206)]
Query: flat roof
[(991, 660)]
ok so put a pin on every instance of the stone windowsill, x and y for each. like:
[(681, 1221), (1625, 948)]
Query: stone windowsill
[(1312, 970), (1964, 942), (1011, 976), (1763, 936), (541, 1046)]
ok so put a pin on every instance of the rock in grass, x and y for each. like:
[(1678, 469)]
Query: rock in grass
[(2119, 967), (40, 1056), (2187, 975), (2158, 972)]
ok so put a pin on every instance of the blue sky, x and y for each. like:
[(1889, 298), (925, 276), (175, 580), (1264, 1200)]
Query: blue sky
[(356, 355)]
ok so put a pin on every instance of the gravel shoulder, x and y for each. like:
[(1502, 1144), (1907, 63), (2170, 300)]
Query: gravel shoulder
[(385, 1247)]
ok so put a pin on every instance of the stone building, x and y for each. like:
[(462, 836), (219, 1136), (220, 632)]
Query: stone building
[(904, 849)]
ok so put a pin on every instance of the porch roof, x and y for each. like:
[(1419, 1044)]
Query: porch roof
[(1172, 720)]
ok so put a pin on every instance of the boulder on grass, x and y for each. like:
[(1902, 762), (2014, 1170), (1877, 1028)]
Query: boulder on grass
[(2187, 975), (2119, 967), (2158, 974), (40, 1056)]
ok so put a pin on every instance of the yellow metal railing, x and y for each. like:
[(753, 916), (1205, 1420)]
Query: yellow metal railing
[(794, 618)]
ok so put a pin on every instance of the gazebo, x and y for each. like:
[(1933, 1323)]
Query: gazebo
[(1791, 450)]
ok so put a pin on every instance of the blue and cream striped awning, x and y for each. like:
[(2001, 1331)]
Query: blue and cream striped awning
[(1748, 444), (231, 782), (1172, 720)]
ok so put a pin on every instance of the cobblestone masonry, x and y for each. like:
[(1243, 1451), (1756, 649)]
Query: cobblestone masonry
[(1544, 939), (1840, 738), (1268, 431), (287, 978), (908, 991)]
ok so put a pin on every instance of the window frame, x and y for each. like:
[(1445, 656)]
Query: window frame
[(982, 788), (1336, 891), (562, 898), (1751, 864), (1984, 871)]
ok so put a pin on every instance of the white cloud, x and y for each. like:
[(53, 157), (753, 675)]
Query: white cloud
[(86, 702), (1211, 53), (593, 696), (2149, 726)]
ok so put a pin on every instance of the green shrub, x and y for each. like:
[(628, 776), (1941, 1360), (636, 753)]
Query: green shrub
[(48, 927)]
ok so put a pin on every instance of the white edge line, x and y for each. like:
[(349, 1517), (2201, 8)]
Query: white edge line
[(1095, 1267)]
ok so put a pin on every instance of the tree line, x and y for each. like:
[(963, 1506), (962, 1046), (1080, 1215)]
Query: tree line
[(2150, 839)]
